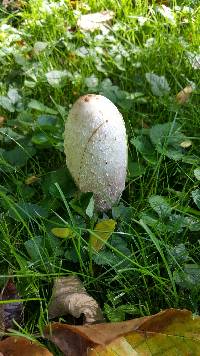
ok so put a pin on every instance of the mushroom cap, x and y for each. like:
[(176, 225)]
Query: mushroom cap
[(95, 145)]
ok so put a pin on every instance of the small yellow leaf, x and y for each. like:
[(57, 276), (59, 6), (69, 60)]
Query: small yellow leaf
[(183, 96), (102, 231), (62, 232), (186, 144), (31, 180)]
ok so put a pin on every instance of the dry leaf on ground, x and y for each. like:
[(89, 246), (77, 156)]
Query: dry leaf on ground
[(10, 311), (102, 231), (183, 96), (70, 297), (20, 346), (170, 332), (96, 21)]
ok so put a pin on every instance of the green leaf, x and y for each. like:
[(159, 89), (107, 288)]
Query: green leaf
[(81, 202), (37, 105), (135, 169), (6, 103), (189, 277), (197, 173), (8, 135), (47, 122), (160, 205), (26, 211), (167, 139), (36, 249), (62, 232), (19, 156), (56, 77), (196, 197), (102, 231), (159, 84), (90, 208), (144, 146), (41, 139), (64, 180)]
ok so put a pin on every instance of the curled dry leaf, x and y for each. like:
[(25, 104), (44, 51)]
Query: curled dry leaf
[(96, 21), (170, 332), (20, 346), (70, 297), (183, 96), (10, 311)]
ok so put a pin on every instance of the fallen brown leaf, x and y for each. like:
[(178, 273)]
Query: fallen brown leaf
[(20, 346), (170, 332), (10, 311), (183, 96), (95, 21), (70, 297)]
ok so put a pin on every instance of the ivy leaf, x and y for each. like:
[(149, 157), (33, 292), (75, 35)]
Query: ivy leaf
[(102, 231)]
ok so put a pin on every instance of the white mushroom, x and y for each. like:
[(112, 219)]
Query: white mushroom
[(95, 145)]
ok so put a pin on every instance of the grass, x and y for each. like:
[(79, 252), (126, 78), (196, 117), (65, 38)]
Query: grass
[(151, 262)]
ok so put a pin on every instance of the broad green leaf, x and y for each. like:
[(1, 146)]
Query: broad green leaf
[(167, 139), (159, 84), (6, 103), (19, 156), (197, 173), (41, 139), (194, 59), (90, 208), (26, 211), (8, 135), (145, 147), (92, 82), (46, 122), (64, 180), (62, 232), (36, 249), (160, 205), (37, 105), (83, 204), (13, 95), (196, 197), (135, 169), (102, 231), (188, 277), (55, 77), (39, 46)]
